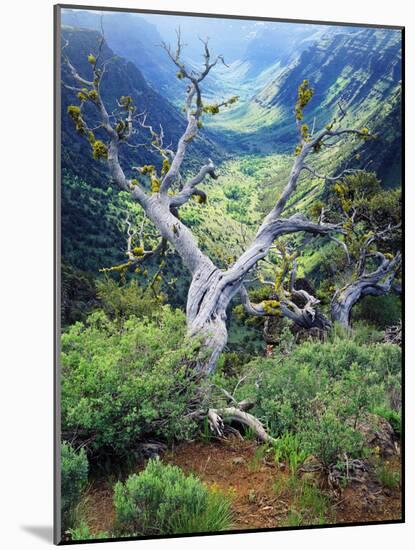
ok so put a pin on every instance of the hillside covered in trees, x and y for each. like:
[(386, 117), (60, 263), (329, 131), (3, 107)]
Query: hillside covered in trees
[(230, 274)]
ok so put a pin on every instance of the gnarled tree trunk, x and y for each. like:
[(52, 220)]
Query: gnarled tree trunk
[(206, 315), (377, 283), (211, 289)]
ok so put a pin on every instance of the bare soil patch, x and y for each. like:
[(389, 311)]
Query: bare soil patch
[(236, 466)]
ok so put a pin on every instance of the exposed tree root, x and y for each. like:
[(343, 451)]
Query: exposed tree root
[(217, 419)]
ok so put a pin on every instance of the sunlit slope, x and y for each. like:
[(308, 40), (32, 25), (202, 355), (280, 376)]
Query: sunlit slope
[(362, 70)]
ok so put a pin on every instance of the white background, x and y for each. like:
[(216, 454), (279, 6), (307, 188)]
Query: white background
[(26, 286)]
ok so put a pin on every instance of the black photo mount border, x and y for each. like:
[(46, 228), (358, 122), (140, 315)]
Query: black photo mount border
[(57, 267)]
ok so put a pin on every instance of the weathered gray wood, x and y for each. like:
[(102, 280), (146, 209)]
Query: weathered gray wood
[(212, 289), (377, 283)]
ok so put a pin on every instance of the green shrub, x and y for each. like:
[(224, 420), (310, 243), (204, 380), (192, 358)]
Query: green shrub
[(308, 504), (74, 475), (231, 363), (260, 452), (328, 438), (294, 519), (357, 392), (123, 301), (284, 392), (162, 500), (387, 476), (121, 383), (382, 311), (290, 389), (337, 357), (288, 448), (82, 532), (361, 333), (393, 417), (313, 505)]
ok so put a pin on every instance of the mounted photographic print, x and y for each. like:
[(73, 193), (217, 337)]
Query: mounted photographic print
[(228, 274)]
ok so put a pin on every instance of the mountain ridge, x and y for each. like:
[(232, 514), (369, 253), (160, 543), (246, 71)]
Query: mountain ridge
[(122, 77)]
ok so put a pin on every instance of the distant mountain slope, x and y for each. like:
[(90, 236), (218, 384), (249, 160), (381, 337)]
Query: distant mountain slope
[(280, 43), (267, 50), (249, 46), (267, 61), (91, 210), (362, 69), (357, 68), (133, 38), (138, 37), (121, 78)]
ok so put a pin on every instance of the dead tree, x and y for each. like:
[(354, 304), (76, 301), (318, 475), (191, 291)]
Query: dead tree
[(371, 242), (298, 305), (375, 282), (211, 289)]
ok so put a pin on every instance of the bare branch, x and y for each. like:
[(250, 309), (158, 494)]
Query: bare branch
[(193, 104), (305, 317), (331, 178), (189, 188), (76, 76), (252, 309), (377, 283), (342, 244), (364, 251)]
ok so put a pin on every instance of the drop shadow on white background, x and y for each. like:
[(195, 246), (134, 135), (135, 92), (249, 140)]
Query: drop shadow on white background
[(42, 532)]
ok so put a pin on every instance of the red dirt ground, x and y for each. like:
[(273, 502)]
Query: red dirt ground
[(233, 465)]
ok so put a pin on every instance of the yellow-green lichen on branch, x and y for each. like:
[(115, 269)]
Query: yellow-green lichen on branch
[(155, 184), (147, 169), (74, 112), (316, 209), (211, 109), (126, 101), (120, 127), (83, 94), (99, 150), (214, 108), (305, 133), (166, 167), (93, 95), (305, 93), (120, 268), (271, 307), (341, 189), (298, 149), (365, 134), (201, 199)]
